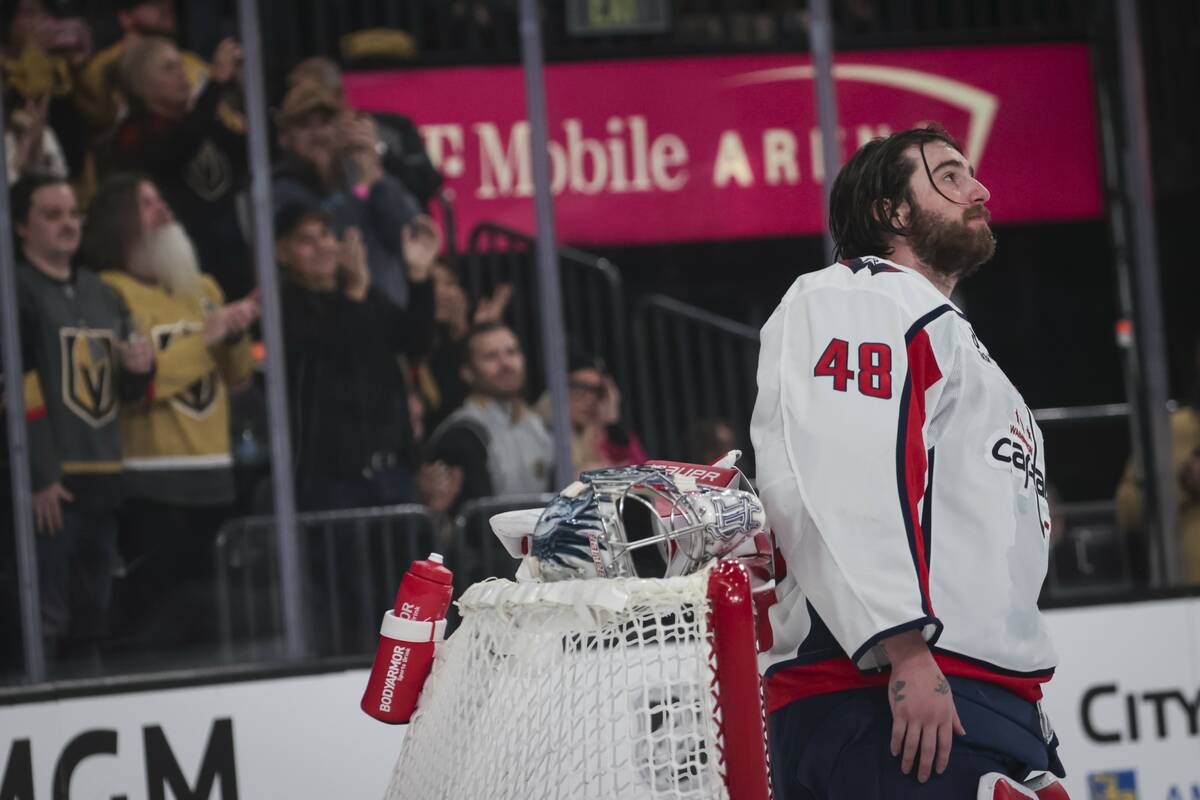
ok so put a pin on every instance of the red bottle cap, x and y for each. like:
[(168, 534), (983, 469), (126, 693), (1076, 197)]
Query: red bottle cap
[(432, 569)]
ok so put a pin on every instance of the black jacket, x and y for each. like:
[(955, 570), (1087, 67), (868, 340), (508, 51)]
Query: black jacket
[(199, 164), (347, 390)]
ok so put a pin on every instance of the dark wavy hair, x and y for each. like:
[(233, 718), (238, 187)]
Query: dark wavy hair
[(113, 225), (20, 201), (872, 185), (20, 196)]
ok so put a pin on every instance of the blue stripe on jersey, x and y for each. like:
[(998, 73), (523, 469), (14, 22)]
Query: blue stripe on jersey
[(857, 265), (911, 525), (902, 487), (911, 625), (927, 513), (990, 667), (819, 645), (925, 319), (1042, 524)]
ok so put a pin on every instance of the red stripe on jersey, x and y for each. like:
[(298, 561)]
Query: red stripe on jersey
[(839, 674), (32, 414), (924, 373), (823, 677), (1027, 687)]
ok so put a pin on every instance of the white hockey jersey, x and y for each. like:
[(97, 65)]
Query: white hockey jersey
[(905, 481)]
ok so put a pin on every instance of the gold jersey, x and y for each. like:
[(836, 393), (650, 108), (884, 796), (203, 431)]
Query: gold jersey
[(176, 444)]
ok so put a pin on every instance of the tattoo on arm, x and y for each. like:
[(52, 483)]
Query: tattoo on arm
[(897, 689), (942, 687)]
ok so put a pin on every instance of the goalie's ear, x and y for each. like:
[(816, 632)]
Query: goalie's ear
[(893, 216)]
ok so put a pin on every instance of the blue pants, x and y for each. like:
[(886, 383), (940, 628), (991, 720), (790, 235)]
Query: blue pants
[(838, 746)]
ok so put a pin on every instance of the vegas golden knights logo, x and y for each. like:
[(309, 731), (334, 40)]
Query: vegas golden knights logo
[(199, 398), (89, 374)]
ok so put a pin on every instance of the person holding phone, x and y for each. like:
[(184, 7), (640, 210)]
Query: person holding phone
[(43, 53), (332, 160)]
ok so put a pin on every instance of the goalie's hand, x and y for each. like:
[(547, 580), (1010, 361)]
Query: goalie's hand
[(924, 719)]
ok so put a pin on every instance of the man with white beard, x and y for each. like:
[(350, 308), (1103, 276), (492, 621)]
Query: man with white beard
[(177, 458)]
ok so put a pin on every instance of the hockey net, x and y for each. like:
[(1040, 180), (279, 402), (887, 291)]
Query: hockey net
[(626, 688)]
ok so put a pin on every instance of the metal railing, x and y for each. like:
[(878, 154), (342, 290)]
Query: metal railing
[(476, 553), (352, 563), (691, 364), (1091, 557), (593, 297), (486, 31)]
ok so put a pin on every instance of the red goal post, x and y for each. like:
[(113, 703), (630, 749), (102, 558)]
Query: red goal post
[(738, 686)]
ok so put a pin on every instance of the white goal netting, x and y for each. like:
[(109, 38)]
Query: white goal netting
[(577, 689)]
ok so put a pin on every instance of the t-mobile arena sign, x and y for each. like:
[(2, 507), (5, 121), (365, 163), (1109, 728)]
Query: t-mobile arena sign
[(681, 149)]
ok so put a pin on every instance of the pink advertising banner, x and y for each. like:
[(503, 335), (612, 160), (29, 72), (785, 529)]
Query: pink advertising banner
[(687, 149)]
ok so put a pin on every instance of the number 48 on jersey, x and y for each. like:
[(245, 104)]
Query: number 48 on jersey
[(874, 367)]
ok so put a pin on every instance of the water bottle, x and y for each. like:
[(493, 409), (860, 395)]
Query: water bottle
[(407, 639)]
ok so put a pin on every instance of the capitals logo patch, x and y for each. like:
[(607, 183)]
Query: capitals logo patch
[(1011, 451), (1115, 785), (89, 373), (1016, 450)]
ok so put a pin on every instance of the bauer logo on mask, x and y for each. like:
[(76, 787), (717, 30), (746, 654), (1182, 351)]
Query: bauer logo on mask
[(640, 521)]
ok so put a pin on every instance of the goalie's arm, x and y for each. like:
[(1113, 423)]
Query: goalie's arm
[(840, 433)]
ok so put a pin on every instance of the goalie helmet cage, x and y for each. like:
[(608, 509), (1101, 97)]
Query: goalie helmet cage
[(606, 688)]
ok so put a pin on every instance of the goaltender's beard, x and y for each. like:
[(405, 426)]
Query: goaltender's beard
[(952, 247), (167, 254)]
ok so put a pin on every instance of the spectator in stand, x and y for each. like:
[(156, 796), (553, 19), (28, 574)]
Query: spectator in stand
[(178, 467), (706, 440), (599, 437), (29, 143), (82, 361), (198, 162), (439, 384), (331, 159), (495, 444), (42, 56), (98, 93), (348, 398), (1185, 455), (400, 144)]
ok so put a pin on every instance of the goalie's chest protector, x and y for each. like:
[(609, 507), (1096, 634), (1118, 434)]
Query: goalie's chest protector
[(905, 479)]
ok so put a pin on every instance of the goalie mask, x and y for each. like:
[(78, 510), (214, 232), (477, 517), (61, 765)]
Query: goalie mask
[(640, 521)]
